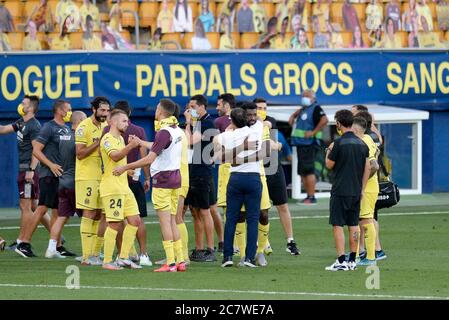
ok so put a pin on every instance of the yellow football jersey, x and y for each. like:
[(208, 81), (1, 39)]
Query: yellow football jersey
[(111, 184), (88, 168), (373, 185)]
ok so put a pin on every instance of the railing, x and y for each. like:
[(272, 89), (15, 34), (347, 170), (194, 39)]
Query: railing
[(136, 27)]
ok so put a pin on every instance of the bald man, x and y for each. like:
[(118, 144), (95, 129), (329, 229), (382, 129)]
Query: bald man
[(67, 203)]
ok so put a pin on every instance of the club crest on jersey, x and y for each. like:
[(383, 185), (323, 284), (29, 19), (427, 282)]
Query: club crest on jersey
[(86, 201), (107, 145), (79, 132), (116, 213)]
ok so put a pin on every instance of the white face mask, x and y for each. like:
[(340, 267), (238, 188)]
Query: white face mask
[(306, 101), (194, 113)]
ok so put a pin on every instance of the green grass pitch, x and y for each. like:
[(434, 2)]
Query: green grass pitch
[(414, 235)]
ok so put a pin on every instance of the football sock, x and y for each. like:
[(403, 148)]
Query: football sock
[(177, 247), (240, 237), (169, 251), (86, 236), (262, 237), (370, 241), (99, 241), (129, 236), (341, 258), (184, 239), (109, 244)]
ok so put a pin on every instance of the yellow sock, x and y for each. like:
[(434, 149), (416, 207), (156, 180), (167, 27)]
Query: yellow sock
[(370, 241), (240, 237), (95, 225), (86, 236), (133, 251), (184, 239), (262, 237), (109, 244), (169, 251), (179, 253), (129, 235), (99, 241)]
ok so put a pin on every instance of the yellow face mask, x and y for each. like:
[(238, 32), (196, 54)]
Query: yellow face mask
[(157, 125), (262, 114), (20, 110), (165, 123), (67, 116), (339, 132)]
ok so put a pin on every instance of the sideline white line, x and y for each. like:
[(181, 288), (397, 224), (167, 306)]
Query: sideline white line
[(284, 293), (277, 218)]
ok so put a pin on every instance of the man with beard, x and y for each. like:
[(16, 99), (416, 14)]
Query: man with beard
[(88, 176)]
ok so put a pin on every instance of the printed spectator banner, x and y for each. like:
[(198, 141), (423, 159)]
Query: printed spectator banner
[(410, 78)]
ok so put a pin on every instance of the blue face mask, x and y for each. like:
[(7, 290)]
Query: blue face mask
[(194, 113), (306, 101)]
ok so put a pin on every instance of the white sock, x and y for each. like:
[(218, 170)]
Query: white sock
[(52, 245), (290, 240), (19, 241)]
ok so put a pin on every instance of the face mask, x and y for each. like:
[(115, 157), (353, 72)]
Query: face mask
[(20, 110), (194, 113), (306, 101), (339, 132), (262, 114), (67, 116)]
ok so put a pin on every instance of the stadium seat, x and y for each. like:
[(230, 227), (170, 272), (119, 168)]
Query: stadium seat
[(187, 40), (172, 36), (404, 38), (269, 9), (53, 4), (214, 39), (360, 8), (128, 19), (248, 39), (76, 40), (148, 12), (16, 40), (29, 7), (310, 38), (336, 12), (43, 40), (16, 9), (236, 37), (104, 17), (347, 38), (126, 35)]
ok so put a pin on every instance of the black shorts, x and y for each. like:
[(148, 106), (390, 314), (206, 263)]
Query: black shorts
[(139, 194), (201, 192), (306, 159), (277, 187), (344, 211), (48, 192), (375, 214), (67, 204)]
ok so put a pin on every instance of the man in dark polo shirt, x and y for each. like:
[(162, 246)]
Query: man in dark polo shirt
[(66, 192), (27, 129), (348, 157), (202, 192), (134, 181), (46, 150)]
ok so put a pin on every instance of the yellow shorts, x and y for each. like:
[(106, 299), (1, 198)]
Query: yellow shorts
[(367, 205), (165, 199), (183, 191), (87, 193), (265, 203), (119, 206), (224, 173)]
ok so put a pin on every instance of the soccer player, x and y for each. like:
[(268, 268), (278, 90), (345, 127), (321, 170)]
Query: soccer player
[(27, 129), (277, 187), (88, 177), (134, 183), (165, 163), (225, 103), (46, 150), (66, 193), (117, 198), (244, 186), (370, 194), (348, 158), (201, 193)]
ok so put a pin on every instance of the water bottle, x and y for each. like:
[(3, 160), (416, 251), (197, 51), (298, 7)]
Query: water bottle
[(27, 191), (136, 174)]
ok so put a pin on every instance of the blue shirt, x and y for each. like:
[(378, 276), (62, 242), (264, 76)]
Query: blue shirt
[(208, 21)]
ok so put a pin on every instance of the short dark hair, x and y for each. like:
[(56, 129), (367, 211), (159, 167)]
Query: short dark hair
[(238, 117), (58, 105), (99, 100), (228, 98), (168, 106), (116, 112), (34, 102), (345, 118), (259, 100), (367, 116), (360, 107), (248, 105), (200, 100), (123, 105), (361, 122), (177, 111)]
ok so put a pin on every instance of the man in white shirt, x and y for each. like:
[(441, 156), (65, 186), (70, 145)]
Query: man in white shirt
[(244, 187)]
